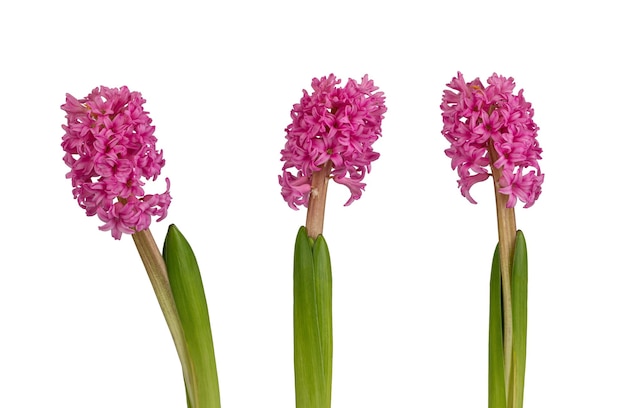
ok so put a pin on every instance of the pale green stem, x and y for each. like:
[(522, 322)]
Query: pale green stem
[(506, 238), (157, 273)]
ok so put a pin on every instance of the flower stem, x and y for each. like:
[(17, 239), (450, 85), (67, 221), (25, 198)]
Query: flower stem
[(157, 273), (317, 201), (506, 238)]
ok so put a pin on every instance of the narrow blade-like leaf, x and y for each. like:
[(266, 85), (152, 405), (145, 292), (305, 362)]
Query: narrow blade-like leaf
[(323, 291), (519, 294), (497, 395), (188, 292), (312, 314)]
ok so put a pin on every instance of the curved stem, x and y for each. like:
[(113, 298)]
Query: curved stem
[(157, 273)]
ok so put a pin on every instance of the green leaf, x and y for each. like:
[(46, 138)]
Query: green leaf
[(519, 295), (323, 291), (497, 395), (312, 313), (189, 404), (188, 292)]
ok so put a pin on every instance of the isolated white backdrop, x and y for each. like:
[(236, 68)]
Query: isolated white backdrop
[(80, 326)]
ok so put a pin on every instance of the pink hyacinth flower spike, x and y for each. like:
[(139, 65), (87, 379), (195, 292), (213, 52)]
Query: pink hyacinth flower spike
[(330, 138), (110, 148)]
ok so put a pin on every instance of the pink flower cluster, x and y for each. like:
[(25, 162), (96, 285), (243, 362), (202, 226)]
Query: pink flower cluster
[(478, 120), (109, 146), (333, 124)]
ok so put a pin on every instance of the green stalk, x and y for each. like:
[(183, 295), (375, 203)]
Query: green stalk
[(506, 245), (188, 292), (519, 294), (312, 313), (157, 273), (497, 394)]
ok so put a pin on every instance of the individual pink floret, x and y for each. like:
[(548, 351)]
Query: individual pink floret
[(479, 119), (336, 125), (110, 147)]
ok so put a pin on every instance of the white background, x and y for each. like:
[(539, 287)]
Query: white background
[(79, 324)]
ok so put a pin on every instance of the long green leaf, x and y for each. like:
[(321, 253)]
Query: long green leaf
[(188, 292), (312, 314), (497, 395), (519, 294), (323, 291)]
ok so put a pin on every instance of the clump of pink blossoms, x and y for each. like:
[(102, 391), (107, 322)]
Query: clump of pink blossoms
[(336, 125), (110, 146), (490, 126)]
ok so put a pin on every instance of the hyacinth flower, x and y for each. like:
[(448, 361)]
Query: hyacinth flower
[(492, 134), (330, 138), (110, 148)]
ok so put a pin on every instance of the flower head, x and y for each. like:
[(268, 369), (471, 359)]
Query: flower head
[(110, 147), (490, 126), (332, 125)]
